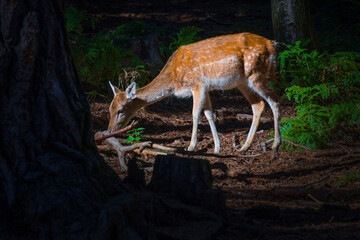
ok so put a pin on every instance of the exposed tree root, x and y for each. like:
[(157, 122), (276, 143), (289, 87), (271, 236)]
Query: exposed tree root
[(121, 150)]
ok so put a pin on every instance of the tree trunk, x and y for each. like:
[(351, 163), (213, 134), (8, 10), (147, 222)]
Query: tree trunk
[(292, 21), (53, 183)]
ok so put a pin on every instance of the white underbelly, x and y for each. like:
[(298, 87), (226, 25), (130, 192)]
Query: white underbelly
[(222, 83)]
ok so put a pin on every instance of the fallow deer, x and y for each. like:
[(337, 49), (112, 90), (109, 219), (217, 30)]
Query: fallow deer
[(244, 61)]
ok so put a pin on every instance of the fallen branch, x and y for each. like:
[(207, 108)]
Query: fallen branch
[(164, 148), (263, 144), (121, 150), (99, 136), (149, 152)]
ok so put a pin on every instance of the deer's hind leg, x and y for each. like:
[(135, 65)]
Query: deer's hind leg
[(259, 84), (257, 106)]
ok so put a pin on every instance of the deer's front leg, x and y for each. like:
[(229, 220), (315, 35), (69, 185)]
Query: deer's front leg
[(209, 115), (198, 104)]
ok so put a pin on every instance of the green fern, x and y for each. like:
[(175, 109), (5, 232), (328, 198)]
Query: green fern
[(99, 61), (75, 19), (326, 89), (185, 36)]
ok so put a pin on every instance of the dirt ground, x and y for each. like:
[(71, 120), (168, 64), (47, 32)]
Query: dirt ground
[(291, 194), (284, 195)]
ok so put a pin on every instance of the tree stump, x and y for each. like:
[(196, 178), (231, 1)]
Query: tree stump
[(187, 179)]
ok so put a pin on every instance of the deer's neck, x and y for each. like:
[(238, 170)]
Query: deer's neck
[(155, 91)]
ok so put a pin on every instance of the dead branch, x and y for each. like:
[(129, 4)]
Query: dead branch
[(164, 148), (121, 150), (149, 152), (106, 134), (263, 144)]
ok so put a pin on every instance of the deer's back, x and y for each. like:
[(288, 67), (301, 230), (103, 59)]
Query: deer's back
[(222, 62)]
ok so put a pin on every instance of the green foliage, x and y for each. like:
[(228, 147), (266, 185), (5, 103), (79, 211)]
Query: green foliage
[(326, 90), (99, 61), (135, 135), (348, 178), (185, 36), (92, 95), (75, 20)]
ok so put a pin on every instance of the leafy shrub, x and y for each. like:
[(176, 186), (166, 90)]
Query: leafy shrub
[(326, 89), (99, 61), (348, 178), (75, 20)]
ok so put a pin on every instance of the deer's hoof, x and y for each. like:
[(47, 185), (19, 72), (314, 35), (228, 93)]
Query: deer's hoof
[(244, 148)]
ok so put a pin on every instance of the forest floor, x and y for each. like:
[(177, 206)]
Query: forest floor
[(289, 194), (284, 195)]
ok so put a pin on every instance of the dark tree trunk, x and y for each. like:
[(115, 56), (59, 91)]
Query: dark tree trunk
[(292, 21), (53, 183)]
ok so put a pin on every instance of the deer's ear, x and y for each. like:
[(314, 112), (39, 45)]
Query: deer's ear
[(114, 89), (131, 91)]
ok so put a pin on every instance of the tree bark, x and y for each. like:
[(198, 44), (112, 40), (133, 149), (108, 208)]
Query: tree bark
[(292, 21), (53, 183)]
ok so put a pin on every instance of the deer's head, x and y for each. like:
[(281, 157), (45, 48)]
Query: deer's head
[(121, 109)]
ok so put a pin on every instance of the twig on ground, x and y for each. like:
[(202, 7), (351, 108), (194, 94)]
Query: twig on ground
[(106, 134), (263, 144), (149, 151), (164, 148)]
